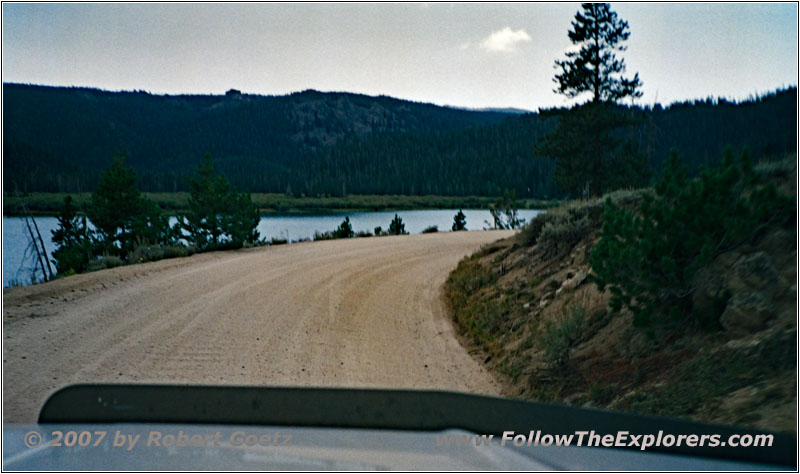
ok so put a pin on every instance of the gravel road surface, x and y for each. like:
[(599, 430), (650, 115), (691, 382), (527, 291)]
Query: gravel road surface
[(346, 313)]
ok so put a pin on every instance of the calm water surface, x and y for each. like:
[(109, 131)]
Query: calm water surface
[(19, 266)]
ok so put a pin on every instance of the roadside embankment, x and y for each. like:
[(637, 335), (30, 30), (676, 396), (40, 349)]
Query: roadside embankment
[(531, 305)]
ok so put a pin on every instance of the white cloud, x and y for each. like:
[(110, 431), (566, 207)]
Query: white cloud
[(505, 40)]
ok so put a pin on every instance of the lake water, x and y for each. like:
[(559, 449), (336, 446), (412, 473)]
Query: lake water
[(19, 266)]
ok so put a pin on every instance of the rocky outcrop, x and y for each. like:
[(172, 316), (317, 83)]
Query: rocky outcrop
[(746, 312), (744, 287)]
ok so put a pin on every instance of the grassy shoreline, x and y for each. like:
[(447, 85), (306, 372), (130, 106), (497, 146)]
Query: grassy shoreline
[(49, 204)]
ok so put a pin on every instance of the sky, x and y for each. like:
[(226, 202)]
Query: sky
[(466, 55)]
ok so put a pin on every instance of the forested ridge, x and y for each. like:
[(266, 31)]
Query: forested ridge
[(486, 160), (58, 139), (313, 143)]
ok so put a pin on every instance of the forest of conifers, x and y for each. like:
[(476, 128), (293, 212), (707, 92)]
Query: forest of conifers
[(313, 143)]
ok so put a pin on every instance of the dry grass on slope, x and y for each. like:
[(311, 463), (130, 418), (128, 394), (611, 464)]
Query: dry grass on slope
[(546, 329)]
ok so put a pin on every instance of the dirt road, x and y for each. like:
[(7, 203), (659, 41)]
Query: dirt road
[(352, 313)]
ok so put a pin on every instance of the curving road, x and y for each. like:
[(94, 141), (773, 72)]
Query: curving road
[(350, 313)]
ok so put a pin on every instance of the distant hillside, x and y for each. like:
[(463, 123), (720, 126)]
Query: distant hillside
[(314, 143), (502, 110), (486, 160), (57, 139)]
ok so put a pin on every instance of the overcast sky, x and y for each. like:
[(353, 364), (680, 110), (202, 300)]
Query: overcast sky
[(471, 55)]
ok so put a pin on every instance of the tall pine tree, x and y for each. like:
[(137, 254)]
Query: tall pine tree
[(122, 216), (586, 146), (595, 67), (218, 217)]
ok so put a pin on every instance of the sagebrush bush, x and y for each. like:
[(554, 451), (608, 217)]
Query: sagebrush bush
[(568, 219), (150, 253), (470, 276), (560, 336), (529, 234), (145, 253), (175, 251), (562, 234), (560, 229), (482, 318), (107, 261), (323, 235)]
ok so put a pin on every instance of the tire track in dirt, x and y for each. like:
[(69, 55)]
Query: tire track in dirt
[(348, 313)]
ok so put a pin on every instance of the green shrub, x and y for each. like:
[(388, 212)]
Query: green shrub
[(560, 229), (344, 231), (648, 258), (396, 227), (602, 394), (107, 261), (74, 241), (566, 214), (559, 336), (145, 253), (323, 235), (151, 253), (470, 277), (529, 234), (459, 221), (562, 234), (175, 251), (430, 229), (474, 316)]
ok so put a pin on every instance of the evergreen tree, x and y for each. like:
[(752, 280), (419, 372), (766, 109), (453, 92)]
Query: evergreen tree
[(590, 159), (344, 231), (595, 68), (241, 223), (121, 215), (218, 217), (396, 227), (208, 203), (648, 258), (459, 221), (73, 241)]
